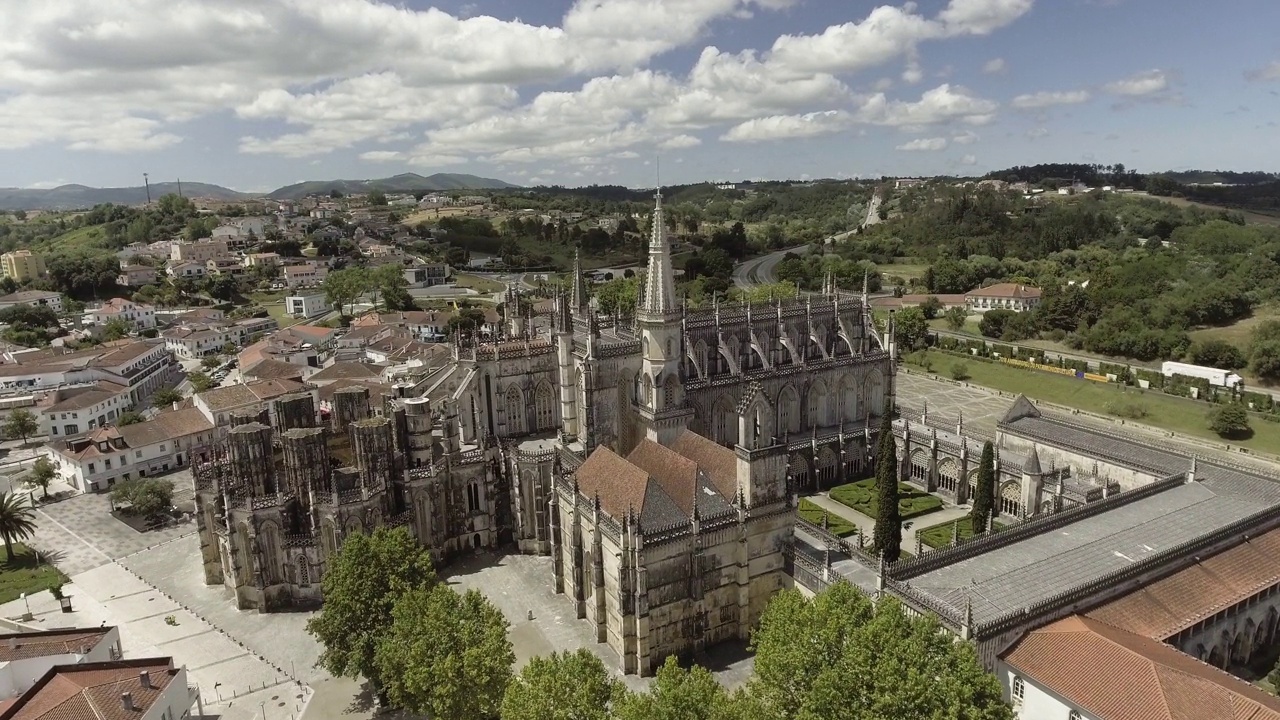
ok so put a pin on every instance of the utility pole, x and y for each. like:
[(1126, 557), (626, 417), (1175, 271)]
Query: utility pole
[(179, 187), (147, 182)]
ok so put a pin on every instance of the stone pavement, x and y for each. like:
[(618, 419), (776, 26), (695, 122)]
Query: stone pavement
[(80, 534)]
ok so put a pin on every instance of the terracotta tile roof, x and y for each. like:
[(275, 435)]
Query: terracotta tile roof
[(1164, 608), (271, 369), (347, 370), (166, 426), (234, 396), (84, 397), (19, 646), (675, 474), (717, 461), (93, 691), (1114, 674), (619, 484), (375, 388), (1006, 290)]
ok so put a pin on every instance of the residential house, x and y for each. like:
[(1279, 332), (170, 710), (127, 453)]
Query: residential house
[(26, 656), (188, 270), (201, 339), (308, 345), (34, 298), (70, 411), (310, 274), (346, 371), (143, 689), (22, 266), (266, 259), (306, 306), (136, 315), (95, 461), (219, 404), (197, 252), (272, 369), (1003, 296), (135, 275), (426, 275), (225, 266), (143, 366)]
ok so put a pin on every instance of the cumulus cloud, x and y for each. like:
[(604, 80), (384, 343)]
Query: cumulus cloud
[(1046, 99), (944, 103), (994, 66), (967, 137), (779, 127), (1140, 84), (968, 160), (1035, 133), (380, 156), (924, 145), (1267, 73)]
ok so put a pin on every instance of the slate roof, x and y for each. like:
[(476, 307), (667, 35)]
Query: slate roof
[(1009, 578), (1164, 608), (1113, 674), (93, 690)]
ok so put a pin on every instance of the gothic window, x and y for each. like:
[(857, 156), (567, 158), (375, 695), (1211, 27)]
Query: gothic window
[(1010, 500), (304, 571), (875, 394), (671, 352), (828, 467), (818, 405), (646, 390), (920, 466), (849, 399), (724, 421), (544, 405), (669, 393), (700, 357), (473, 497), (515, 411), (645, 341), (948, 476), (788, 410)]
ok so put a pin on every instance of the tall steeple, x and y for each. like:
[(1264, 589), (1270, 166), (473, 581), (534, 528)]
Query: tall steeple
[(659, 284), (580, 297)]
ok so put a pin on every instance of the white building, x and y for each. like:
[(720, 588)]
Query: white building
[(219, 404), (142, 366), (143, 689), (96, 461), (309, 274), (306, 306), (1003, 296), (34, 298), (201, 339), (137, 316), (197, 252), (67, 412), (192, 270), (25, 657)]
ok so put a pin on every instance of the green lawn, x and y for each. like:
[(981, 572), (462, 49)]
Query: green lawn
[(937, 536), (861, 496), (21, 574), (480, 284), (1238, 333), (1163, 411), (970, 326), (836, 524)]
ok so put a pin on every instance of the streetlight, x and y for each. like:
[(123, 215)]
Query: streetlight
[(263, 705), (28, 604)]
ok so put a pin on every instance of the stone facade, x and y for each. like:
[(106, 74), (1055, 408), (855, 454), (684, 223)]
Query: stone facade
[(712, 419)]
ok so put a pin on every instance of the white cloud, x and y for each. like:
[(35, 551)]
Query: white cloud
[(679, 142), (981, 17), (1037, 133), (942, 104), (1141, 84), (967, 137), (994, 66), (778, 127), (924, 145), (1048, 99), (968, 160), (1268, 73), (380, 156)]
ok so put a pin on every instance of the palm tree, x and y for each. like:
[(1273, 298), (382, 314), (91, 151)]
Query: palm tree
[(16, 521)]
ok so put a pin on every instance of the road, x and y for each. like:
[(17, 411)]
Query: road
[(761, 270), (873, 211)]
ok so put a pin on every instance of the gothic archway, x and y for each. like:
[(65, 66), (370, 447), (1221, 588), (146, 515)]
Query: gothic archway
[(788, 410), (828, 468), (724, 421), (515, 408), (849, 399), (544, 407)]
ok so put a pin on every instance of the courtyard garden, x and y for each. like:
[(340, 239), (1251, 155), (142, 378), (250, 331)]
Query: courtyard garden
[(837, 525), (939, 536), (861, 496), (26, 572)]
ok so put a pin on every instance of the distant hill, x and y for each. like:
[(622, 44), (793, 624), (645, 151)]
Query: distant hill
[(71, 197), (403, 183)]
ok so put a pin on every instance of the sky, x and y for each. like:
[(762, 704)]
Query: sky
[(255, 94)]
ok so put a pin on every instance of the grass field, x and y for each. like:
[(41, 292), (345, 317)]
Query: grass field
[(836, 524), (1249, 216), (904, 270), (937, 536), (1238, 332), (477, 283), (22, 574), (1163, 411), (861, 496)]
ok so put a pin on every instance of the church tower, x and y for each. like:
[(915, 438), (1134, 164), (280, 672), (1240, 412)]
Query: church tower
[(660, 396)]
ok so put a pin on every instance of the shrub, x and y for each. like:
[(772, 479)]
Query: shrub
[(1131, 409), (960, 371), (1229, 421), (145, 496)]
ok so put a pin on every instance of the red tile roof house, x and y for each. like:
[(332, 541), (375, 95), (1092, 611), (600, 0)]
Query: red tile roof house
[(143, 689), (1003, 296)]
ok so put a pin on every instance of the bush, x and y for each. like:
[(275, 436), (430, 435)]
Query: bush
[(960, 371), (145, 496), (1131, 409), (1230, 421)]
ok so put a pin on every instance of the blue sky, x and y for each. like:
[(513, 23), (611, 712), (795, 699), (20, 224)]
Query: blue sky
[(254, 94)]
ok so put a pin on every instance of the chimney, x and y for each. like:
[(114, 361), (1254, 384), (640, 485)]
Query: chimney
[(144, 677), (13, 643), (127, 701)]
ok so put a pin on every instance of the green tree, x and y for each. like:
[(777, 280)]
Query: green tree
[(960, 371), (129, 417), (364, 580), (984, 494), (210, 362), (145, 496), (931, 307), (376, 197), (910, 328), (888, 532), (467, 321), (115, 329), (956, 317), (200, 381), (618, 296), (1218, 354), (389, 281), (563, 686), (165, 397), (17, 521), (993, 322), (21, 423), (43, 473), (445, 654), (677, 694), (1230, 421), (343, 287)]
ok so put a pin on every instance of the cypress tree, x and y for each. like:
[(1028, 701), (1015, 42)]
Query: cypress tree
[(984, 494), (888, 536)]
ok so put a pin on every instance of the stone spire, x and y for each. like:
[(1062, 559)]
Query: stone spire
[(659, 284), (866, 275), (580, 297)]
